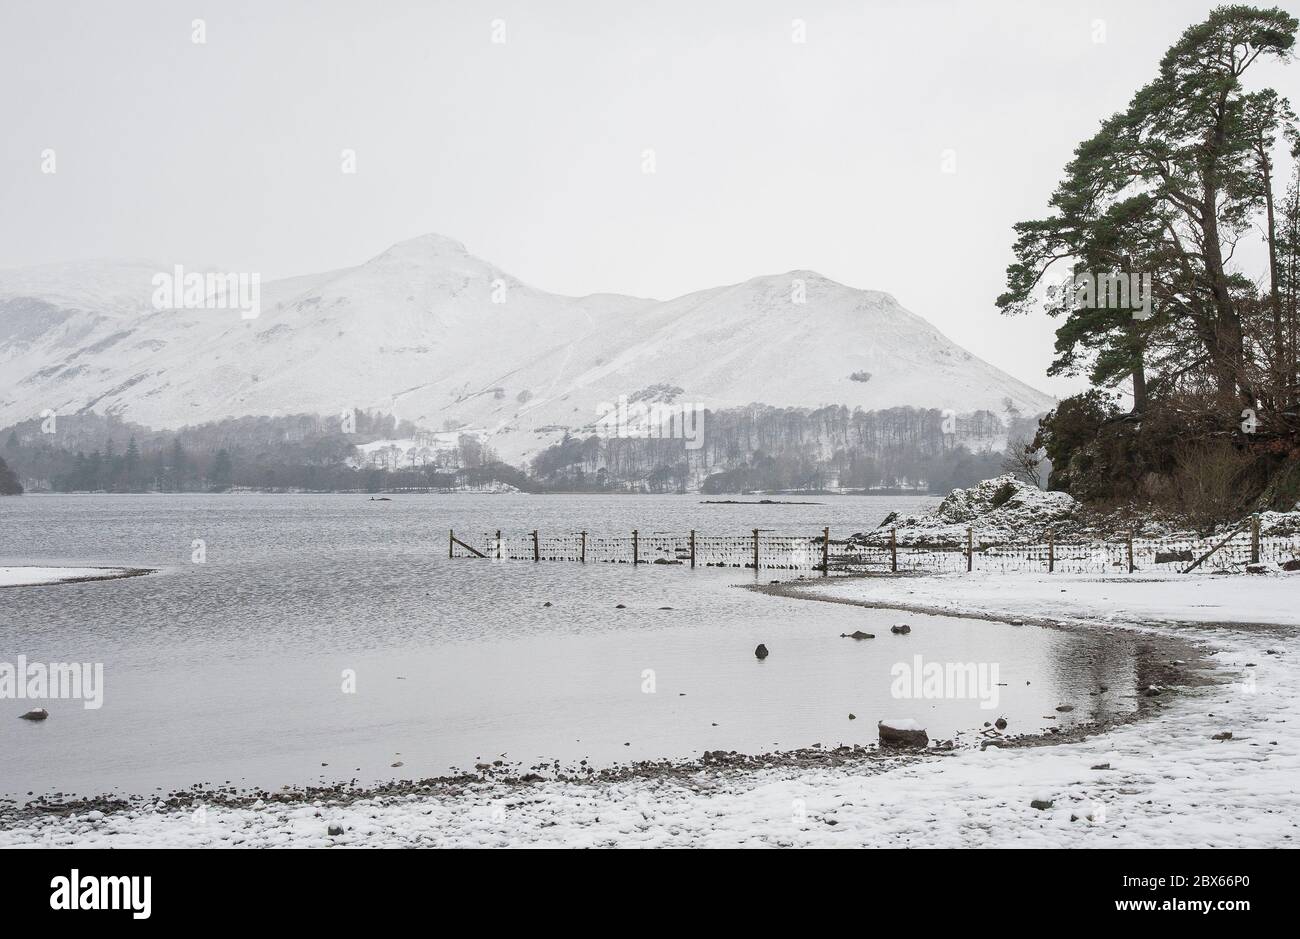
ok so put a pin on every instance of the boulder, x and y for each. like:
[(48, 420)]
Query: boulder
[(901, 630), (760, 652), (902, 733), (35, 714)]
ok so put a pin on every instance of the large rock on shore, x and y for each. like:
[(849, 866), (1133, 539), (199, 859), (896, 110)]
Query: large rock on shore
[(902, 733), (1000, 510)]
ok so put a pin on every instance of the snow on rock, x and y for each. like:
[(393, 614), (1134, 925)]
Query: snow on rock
[(905, 723), (1000, 510)]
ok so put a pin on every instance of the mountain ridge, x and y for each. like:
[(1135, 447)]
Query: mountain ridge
[(446, 339)]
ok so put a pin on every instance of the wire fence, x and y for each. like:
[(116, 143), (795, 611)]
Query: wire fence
[(759, 549)]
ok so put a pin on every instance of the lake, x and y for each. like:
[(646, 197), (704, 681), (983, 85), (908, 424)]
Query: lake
[(234, 669)]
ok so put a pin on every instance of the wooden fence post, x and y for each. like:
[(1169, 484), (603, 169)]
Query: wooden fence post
[(893, 550), (451, 542), (498, 544), (1129, 539), (1051, 551), (537, 551), (636, 548), (826, 552), (970, 549), (692, 547), (584, 548), (755, 550), (1254, 539)]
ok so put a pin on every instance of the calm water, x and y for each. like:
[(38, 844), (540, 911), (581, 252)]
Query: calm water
[(233, 669)]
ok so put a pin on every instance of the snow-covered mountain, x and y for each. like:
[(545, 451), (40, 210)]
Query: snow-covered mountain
[(442, 338)]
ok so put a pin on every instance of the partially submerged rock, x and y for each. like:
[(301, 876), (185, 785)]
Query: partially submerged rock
[(902, 733), (901, 629), (857, 634), (760, 652), (35, 714)]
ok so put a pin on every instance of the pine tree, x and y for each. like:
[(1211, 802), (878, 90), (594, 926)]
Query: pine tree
[(1166, 188)]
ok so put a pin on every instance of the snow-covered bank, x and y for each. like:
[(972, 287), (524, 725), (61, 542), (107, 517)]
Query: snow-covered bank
[(41, 576), (1170, 781), (1007, 511), (1118, 599)]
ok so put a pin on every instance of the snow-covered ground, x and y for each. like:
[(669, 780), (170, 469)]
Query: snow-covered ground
[(1167, 781), (32, 576)]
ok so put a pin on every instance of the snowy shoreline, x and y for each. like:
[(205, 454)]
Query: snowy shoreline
[(1167, 780), (47, 576)]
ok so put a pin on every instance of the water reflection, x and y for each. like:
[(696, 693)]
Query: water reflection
[(235, 669)]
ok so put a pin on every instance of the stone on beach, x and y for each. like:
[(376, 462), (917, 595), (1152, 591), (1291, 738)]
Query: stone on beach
[(902, 733)]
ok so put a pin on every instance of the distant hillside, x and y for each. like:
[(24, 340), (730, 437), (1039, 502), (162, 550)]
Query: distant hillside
[(445, 340)]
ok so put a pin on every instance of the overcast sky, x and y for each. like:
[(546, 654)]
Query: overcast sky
[(769, 154)]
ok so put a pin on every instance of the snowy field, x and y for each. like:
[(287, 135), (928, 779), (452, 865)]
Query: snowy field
[(1163, 782)]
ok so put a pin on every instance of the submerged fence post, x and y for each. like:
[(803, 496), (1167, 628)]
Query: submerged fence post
[(583, 558), (692, 547), (1051, 551), (755, 550), (826, 552), (537, 551), (893, 550), (451, 542), (1129, 539), (970, 549), (1254, 539), (636, 548), (498, 544)]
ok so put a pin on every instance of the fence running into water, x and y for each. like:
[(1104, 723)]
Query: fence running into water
[(758, 549)]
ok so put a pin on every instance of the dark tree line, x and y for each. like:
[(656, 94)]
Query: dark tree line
[(768, 448), (94, 453)]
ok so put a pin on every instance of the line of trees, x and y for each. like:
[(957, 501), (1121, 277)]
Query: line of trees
[(768, 448), (86, 453)]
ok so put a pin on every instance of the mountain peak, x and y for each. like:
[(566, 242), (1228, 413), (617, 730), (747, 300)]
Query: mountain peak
[(421, 247)]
